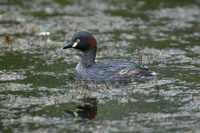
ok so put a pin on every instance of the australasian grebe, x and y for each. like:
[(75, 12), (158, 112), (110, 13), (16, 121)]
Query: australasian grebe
[(89, 70)]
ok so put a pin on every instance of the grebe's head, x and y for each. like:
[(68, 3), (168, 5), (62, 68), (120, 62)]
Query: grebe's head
[(82, 41)]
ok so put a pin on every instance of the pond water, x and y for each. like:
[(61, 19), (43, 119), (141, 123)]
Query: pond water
[(38, 94)]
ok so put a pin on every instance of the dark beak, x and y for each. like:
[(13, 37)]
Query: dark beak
[(68, 46)]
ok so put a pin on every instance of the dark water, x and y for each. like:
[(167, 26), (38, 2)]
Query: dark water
[(37, 92)]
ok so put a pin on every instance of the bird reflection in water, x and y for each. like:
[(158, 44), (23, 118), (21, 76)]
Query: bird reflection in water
[(86, 110)]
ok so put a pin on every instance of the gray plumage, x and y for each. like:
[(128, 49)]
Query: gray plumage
[(89, 70)]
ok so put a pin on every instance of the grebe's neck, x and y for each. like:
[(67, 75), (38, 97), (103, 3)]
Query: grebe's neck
[(88, 58)]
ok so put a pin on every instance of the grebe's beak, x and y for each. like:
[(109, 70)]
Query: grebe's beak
[(68, 46)]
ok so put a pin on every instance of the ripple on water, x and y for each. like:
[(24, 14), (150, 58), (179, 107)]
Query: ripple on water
[(11, 76), (186, 13)]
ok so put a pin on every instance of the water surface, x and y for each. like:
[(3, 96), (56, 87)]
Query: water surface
[(38, 94)]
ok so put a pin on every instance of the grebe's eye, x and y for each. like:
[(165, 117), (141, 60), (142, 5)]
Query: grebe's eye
[(78, 40)]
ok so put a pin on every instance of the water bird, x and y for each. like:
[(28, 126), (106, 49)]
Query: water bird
[(106, 71)]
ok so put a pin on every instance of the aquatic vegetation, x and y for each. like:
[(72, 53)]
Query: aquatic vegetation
[(36, 85)]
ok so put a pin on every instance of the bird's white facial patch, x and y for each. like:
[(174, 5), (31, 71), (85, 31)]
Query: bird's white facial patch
[(76, 43)]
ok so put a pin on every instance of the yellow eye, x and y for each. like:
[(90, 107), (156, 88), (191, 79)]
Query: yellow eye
[(78, 40)]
